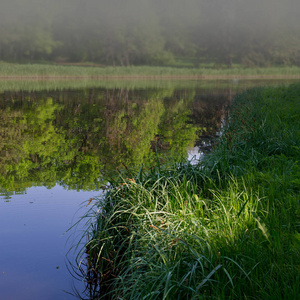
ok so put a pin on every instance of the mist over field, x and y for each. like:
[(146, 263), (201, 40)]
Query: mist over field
[(152, 32)]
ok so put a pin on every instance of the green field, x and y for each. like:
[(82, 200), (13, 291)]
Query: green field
[(27, 71), (226, 228)]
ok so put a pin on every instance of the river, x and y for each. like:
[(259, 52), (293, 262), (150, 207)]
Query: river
[(58, 148)]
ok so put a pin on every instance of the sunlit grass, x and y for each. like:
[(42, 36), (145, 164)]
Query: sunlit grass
[(161, 231), (227, 228)]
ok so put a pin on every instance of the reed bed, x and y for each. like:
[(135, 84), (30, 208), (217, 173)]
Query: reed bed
[(226, 228), (131, 84), (72, 71)]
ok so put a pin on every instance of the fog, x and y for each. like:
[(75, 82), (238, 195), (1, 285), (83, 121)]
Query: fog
[(125, 32)]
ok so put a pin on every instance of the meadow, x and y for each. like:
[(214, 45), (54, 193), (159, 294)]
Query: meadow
[(224, 228), (27, 71), (234, 85)]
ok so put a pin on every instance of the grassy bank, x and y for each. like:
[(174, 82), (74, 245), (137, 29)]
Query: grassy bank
[(8, 70), (226, 228), (131, 84)]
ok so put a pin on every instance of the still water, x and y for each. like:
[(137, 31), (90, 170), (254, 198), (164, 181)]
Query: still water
[(57, 149)]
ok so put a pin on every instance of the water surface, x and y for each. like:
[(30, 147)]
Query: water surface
[(58, 149)]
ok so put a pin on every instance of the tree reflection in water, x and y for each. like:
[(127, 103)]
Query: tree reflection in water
[(77, 138)]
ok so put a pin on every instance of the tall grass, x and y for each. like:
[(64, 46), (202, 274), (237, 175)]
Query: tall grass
[(227, 228), (261, 146), (43, 70), (56, 84)]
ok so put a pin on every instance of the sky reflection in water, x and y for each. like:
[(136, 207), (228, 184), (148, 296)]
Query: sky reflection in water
[(33, 245)]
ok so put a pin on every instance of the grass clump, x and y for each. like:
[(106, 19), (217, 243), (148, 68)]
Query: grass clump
[(227, 228)]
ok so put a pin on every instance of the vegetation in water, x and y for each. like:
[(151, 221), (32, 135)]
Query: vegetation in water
[(226, 228)]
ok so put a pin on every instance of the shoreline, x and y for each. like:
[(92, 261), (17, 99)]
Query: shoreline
[(59, 72), (151, 77), (231, 217)]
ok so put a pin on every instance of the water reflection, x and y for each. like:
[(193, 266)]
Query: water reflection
[(33, 244), (76, 138), (59, 142), (58, 148)]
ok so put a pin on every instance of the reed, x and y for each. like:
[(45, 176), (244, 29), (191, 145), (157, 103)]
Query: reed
[(26, 84), (226, 228), (9, 70), (131, 84)]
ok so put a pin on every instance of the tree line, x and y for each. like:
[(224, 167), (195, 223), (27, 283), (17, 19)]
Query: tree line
[(151, 32)]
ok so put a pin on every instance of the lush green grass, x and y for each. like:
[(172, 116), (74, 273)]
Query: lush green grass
[(56, 84), (40, 70), (227, 228)]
